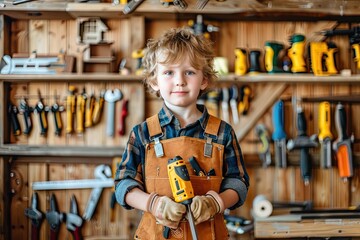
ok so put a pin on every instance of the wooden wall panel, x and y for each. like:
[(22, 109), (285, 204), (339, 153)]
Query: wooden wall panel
[(326, 189)]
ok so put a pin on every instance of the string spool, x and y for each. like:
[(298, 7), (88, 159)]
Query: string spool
[(262, 207)]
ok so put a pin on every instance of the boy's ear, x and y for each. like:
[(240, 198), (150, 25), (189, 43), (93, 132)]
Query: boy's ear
[(204, 84), (154, 86)]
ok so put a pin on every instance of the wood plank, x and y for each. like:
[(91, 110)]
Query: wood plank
[(268, 96), (314, 228), (39, 36)]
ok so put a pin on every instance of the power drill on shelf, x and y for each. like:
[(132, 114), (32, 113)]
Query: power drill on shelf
[(354, 38)]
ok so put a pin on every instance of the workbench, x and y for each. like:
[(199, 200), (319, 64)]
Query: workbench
[(294, 225)]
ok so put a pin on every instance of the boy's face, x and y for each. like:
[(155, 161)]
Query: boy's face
[(179, 83)]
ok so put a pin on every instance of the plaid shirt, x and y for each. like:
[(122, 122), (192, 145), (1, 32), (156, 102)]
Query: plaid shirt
[(129, 172)]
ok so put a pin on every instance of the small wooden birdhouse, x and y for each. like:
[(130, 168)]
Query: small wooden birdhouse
[(91, 30)]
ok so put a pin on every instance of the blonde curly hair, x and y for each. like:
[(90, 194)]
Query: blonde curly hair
[(172, 47)]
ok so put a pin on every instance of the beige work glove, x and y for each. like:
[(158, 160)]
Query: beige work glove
[(166, 211), (205, 207)]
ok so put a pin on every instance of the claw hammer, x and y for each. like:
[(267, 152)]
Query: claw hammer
[(111, 96)]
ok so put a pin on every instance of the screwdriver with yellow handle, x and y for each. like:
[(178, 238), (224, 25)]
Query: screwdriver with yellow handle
[(70, 109), (89, 109), (325, 135), (80, 112), (182, 190), (98, 108)]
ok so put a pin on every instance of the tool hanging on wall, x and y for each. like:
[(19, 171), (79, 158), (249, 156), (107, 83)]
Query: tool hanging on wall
[(234, 95), (56, 109), (70, 109), (73, 220), (123, 115), (342, 145), (89, 109), (225, 97), (35, 215), (111, 97), (98, 108), (13, 111), (264, 150), (325, 135), (279, 135), (244, 99), (26, 111), (304, 143), (80, 112), (41, 110)]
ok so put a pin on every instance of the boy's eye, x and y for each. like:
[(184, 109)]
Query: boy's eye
[(189, 72), (168, 73)]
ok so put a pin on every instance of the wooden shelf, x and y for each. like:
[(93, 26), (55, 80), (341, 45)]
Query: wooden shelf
[(59, 151), (230, 9), (231, 78)]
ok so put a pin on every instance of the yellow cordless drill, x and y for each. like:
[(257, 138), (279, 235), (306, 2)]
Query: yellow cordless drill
[(181, 188), (322, 58)]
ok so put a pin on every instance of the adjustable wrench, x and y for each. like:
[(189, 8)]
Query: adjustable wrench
[(111, 96), (102, 172)]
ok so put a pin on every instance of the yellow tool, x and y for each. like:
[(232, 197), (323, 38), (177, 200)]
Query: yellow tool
[(80, 112), (70, 109), (240, 61), (90, 102), (296, 53), (272, 51), (98, 108), (356, 51), (181, 188), (325, 135), (322, 58), (138, 54), (244, 102)]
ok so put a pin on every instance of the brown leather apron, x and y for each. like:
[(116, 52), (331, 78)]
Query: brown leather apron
[(209, 156)]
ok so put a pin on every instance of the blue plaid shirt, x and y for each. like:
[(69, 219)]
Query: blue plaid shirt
[(130, 170)]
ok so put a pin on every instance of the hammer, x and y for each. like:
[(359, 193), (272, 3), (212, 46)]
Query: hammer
[(303, 142)]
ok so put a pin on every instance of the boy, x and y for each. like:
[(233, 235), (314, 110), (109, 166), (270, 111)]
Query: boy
[(179, 67)]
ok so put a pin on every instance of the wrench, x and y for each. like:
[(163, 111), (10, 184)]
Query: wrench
[(111, 97), (102, 172)]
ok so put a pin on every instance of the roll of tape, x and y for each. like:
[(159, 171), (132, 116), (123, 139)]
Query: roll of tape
[(262, 207)]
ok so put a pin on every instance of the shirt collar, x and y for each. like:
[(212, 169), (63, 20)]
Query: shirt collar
[(166, 116)]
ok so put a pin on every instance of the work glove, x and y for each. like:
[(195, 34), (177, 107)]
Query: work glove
[(206, 206), (166, 211)]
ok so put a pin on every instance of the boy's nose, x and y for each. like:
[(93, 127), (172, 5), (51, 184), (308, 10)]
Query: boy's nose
[(180, 80)]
